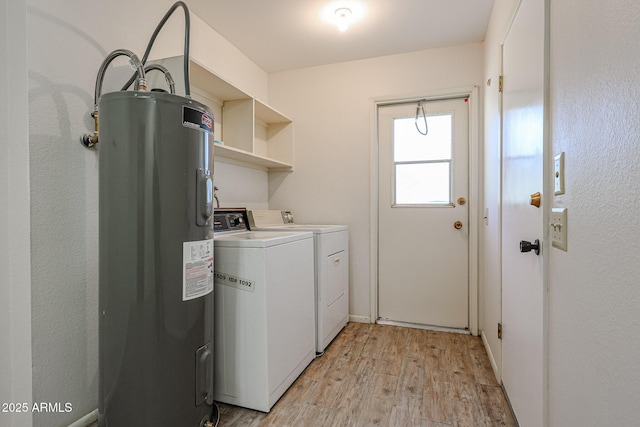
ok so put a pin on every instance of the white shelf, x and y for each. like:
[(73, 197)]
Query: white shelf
[(253, 132), (227, 152)]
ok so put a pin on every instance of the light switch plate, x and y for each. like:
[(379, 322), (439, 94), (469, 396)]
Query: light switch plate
[(558, 174), (558, 226)]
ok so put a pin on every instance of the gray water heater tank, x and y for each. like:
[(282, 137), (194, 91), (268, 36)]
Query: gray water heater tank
[(155, 261)]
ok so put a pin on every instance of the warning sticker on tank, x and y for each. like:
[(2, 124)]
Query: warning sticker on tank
[(197, 269), (234, 281)]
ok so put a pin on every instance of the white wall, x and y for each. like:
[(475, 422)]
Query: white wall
[(490, 229), (594, 339), (15, 312), (240, 186), (330, 107), (5, 294), (67, 41)]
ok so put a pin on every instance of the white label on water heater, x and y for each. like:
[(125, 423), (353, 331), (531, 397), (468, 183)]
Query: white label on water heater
[(197, 269)]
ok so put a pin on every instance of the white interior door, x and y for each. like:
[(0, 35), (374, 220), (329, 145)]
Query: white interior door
[(522, 273), (423, 185)]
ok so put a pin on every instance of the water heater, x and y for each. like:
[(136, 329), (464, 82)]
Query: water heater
[(155, 260)]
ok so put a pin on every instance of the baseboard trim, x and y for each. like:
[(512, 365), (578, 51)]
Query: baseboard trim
[(87, 420), (359, 319), (506, 397), (494, 364)]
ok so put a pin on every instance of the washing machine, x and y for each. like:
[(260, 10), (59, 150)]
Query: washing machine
[(331, 269), (263, 318)]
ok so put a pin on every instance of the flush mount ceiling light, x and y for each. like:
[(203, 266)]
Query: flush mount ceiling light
[(342, 13), (343, 18)]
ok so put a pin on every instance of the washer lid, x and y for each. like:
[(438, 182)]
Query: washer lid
[(258, 239)]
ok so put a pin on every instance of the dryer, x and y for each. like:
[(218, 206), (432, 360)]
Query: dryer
[(264, 304), (331, 269)]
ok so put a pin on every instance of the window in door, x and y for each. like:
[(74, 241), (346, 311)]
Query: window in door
[(422, 164)]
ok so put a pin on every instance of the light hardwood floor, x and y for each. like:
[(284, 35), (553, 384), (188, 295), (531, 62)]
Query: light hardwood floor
[(374, 375)]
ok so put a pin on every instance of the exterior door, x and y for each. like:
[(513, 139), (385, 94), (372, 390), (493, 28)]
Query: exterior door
[(522, 272), (423, 229)]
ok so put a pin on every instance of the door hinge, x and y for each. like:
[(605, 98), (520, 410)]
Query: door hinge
[(500, 83), (499, 331)]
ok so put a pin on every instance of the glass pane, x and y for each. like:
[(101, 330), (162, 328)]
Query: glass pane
[(426, 183), (411, 145)]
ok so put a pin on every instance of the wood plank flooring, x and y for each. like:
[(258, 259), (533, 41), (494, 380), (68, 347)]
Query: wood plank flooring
[(374, 375)]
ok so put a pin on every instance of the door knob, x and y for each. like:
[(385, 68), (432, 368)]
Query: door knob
[(457, 225), (528, 246), (534, 200)]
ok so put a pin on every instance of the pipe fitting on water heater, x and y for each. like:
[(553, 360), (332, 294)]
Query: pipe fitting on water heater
[(91, 139)]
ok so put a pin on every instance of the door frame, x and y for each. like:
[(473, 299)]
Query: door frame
[(473, 197)]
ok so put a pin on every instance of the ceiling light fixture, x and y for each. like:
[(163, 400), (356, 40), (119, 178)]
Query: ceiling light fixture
[(343, 18)]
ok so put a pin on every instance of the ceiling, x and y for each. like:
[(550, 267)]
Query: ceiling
[(285, 34)]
